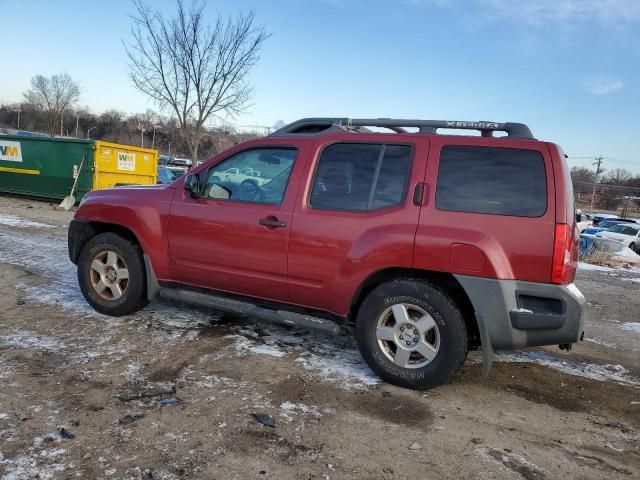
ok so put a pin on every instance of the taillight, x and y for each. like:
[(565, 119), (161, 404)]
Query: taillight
[(565, 253)]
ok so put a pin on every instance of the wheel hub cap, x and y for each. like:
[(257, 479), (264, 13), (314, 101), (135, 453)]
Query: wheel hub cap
[(408, 335), (109, 275)]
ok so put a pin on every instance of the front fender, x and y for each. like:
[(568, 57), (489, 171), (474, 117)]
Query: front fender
[(144, 213)]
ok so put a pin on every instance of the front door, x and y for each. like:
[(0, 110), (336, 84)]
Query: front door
[(238, 244)]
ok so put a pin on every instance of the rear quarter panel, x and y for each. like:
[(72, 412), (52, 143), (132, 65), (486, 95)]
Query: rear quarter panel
[(485, 245)]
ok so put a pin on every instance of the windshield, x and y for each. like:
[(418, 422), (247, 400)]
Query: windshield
[(625, 229)]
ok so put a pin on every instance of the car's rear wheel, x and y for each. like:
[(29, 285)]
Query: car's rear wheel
[(411, 334), (111, 275)]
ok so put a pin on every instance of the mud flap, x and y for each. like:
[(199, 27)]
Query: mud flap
[(487, 349), (153, 287)]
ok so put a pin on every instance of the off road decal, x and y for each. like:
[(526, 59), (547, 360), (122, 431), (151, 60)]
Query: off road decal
[(416, 301), (398, 372)]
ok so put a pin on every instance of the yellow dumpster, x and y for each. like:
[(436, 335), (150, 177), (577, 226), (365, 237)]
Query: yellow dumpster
[(116, 164)]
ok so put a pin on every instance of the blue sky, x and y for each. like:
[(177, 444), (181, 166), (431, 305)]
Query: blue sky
[(568, 68)]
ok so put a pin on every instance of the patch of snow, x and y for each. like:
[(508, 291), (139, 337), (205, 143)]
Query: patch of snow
[(26, 466), (270, 350), (634, 280), (347, 371), (597, 268), (24, 339), (243, 344), (13, 221), (3, 416), (626, 255), (133, 371), (593, 371), (289, 409), (53, 453), (600, 342), (631, 327)]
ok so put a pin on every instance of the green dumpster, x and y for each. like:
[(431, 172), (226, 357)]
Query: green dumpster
[(44, 167)]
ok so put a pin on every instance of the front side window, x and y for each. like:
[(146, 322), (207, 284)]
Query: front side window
[(361, 177), (499, 181), (259, 175)]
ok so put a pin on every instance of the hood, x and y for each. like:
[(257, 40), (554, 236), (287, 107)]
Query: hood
[(154, 186)]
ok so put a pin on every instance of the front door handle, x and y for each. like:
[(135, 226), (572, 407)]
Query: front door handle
[(272, 222)]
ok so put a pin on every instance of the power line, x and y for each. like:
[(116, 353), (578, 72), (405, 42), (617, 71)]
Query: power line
[(606, 185), (632, 162)]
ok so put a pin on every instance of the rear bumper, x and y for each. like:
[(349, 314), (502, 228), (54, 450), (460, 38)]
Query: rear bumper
[(513, 314)]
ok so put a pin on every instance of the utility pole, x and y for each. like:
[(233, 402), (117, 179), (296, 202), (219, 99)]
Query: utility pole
[(77, 120), (141, 127), (18, 110), (61, 119), (597, 163)]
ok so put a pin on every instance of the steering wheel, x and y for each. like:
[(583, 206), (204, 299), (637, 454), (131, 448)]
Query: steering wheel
[(250, 191)]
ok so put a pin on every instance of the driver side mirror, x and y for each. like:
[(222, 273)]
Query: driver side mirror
[(192, 184)]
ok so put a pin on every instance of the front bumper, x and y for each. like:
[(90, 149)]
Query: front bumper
[(513, 314)]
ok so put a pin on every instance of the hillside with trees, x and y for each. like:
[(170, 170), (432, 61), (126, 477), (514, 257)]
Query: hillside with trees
[(131, 129)]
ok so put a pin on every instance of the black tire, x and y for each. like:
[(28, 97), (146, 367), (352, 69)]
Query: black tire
[(451, 330), (134, 293), (635, 248)]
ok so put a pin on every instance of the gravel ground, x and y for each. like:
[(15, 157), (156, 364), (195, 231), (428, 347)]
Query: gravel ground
[(171, 392)]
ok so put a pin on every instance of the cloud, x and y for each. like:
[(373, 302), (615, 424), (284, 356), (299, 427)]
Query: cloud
[(545, 11), (602, 85)]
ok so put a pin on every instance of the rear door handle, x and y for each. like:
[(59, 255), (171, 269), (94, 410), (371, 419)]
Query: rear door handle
[(420, 194), (272, 222)]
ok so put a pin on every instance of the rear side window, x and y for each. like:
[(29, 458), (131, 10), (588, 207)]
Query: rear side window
[(361, 177), (499, 181)]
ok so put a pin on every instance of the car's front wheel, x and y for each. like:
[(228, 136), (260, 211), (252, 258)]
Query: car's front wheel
[(635, 247), (111, 275), (411, 334)]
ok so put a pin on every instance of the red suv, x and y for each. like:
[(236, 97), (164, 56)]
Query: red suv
[(431, 243)]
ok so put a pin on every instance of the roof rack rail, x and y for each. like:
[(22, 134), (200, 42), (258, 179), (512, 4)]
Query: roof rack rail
[(317, 126)]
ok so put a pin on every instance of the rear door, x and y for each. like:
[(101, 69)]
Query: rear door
[(354, 216), (240, 244), (491, 209)]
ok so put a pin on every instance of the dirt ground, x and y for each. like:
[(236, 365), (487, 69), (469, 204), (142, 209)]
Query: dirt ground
[(170, 393)]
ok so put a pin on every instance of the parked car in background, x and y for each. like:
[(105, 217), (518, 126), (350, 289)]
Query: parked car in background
[(432, 244), (166, 175), (598, 217), (584, 220), (606, 224), (238, 176), (626, 233)]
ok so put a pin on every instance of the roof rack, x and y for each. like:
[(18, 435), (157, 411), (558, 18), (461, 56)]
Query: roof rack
[(318, 126)]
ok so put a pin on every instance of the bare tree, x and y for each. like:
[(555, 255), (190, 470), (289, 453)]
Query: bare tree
[(583, 179), (613, 191), (53, 95), (191, 68)]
